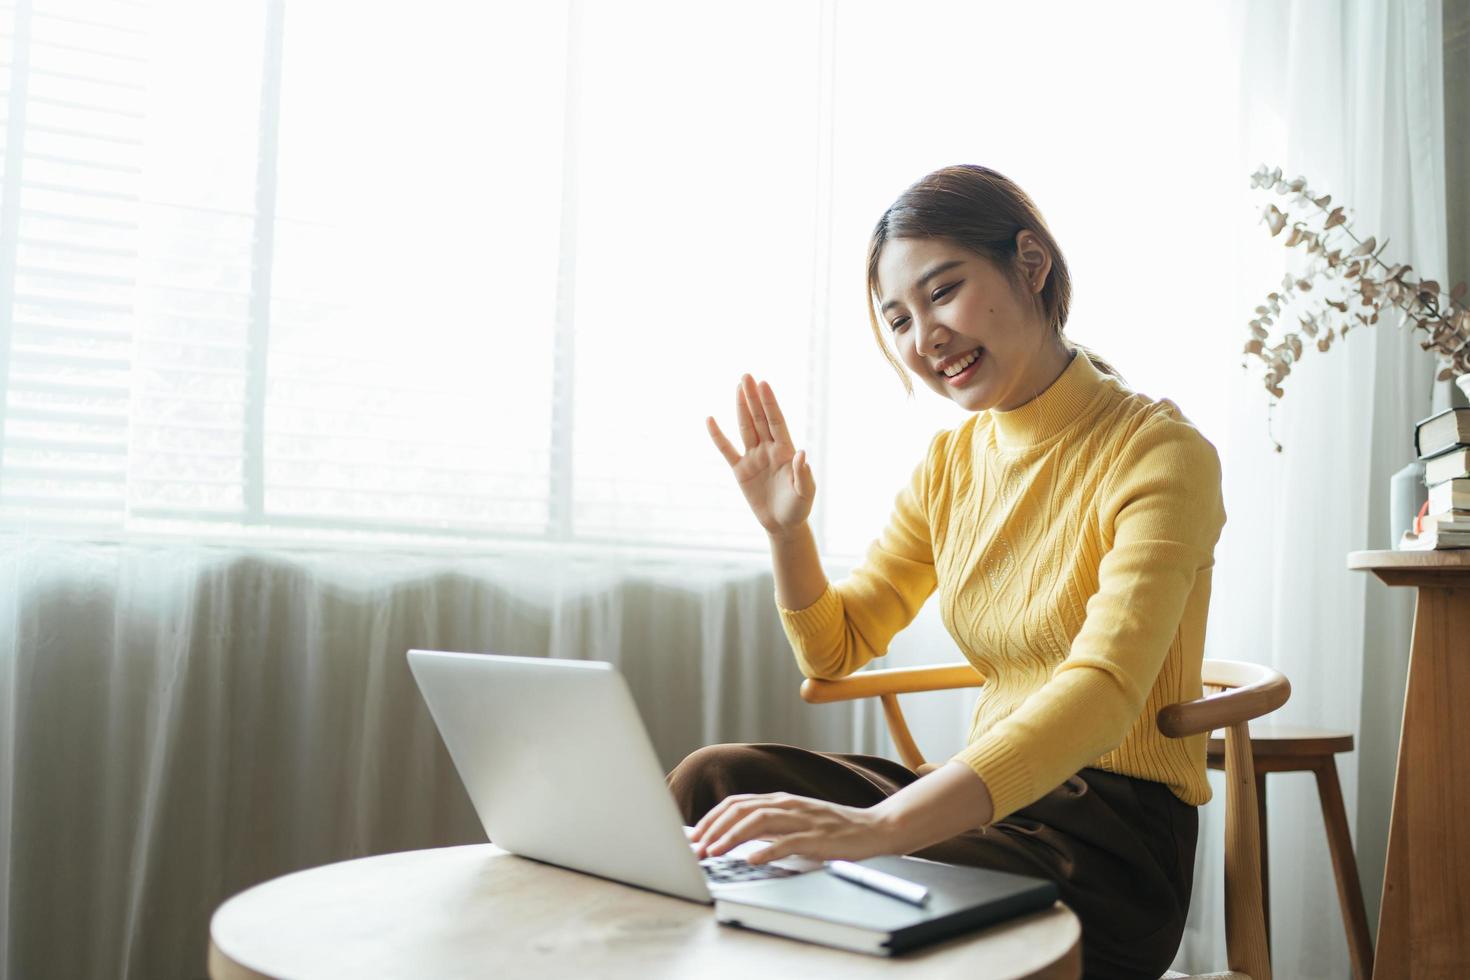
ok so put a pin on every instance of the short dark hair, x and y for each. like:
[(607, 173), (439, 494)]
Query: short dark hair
[(983, 211)]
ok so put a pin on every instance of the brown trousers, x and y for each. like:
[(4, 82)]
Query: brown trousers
[(1120, 849)]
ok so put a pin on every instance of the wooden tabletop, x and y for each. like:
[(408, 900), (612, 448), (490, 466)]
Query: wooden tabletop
[(1425, 560), (477, 911)]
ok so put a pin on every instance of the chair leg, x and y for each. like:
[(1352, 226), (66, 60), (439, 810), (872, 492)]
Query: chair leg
[(1344, 868), (1265, 875)]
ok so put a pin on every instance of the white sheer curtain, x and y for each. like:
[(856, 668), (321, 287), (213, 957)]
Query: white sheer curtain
[(483, 281), (1351, 96), (180, 722)]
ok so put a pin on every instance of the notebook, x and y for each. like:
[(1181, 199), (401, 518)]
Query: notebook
[(822, 908)]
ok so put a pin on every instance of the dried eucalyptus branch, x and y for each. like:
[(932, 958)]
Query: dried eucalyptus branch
[(1363, 291)]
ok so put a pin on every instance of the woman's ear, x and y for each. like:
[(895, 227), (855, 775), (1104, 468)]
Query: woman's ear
[(1034, 260)]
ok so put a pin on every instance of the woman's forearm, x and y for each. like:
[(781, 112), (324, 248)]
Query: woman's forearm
[(800, 580), (948, 801)]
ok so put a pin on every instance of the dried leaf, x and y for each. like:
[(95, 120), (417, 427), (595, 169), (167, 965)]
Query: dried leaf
[(1323, 343), (1253, 346), (1429, 286), (1275, 218), (1445, 375), (1458, 291), (1323, 201), (1259, 332), (1337, 217), (1304, 285), (1366, 248)]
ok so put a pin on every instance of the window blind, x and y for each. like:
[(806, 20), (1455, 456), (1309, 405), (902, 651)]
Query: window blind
[(481, 271)]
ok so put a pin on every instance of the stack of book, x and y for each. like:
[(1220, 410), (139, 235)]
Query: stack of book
[(1443, 443)]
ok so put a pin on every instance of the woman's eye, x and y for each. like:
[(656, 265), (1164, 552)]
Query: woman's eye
[(899, 322), (942, 291)]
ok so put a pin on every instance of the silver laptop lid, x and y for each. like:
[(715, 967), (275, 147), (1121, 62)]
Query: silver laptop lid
[(558, 765)]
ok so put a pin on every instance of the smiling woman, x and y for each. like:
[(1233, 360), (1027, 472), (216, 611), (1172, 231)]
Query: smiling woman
[(1069, 526)]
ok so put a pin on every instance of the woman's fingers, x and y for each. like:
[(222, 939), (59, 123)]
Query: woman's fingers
[(715, 812), (721, 443), (753, 404), (748, 432), (801, 476), (809, 844), (724, 813), (774, 419), (761, 822), (731, 811)]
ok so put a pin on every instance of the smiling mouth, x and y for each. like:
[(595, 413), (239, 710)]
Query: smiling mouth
[(968, 371)]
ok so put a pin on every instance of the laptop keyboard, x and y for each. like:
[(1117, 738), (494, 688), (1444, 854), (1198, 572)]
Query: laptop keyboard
[(727, 869)]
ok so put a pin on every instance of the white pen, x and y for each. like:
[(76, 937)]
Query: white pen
[(879, 881)]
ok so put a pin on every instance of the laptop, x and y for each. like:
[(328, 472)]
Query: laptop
[(560, 768)]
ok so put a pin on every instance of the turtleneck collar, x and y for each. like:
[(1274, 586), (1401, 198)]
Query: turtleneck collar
[(1051, 411)]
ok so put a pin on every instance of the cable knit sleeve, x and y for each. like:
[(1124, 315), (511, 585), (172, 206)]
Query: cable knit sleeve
[(853, 621), (1161, 513)]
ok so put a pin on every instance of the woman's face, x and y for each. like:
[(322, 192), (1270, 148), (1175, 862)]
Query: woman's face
[(943, 304)]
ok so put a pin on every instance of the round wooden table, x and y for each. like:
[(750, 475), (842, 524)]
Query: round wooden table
[(478, 911)]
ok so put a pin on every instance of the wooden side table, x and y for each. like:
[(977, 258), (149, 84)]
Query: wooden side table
[(1424, 920), (477, 911)]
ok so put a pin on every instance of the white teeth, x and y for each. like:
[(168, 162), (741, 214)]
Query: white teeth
[(959, 366)]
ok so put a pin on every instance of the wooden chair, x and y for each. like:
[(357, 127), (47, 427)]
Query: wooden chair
[(1235, 693), (1282, 748)]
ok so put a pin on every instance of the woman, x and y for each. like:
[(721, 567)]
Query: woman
[(1068, 524)]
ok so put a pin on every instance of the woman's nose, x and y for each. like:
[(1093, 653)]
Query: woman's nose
[(930, 336)]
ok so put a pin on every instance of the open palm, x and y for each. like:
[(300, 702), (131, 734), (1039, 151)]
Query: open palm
[(775, 478)]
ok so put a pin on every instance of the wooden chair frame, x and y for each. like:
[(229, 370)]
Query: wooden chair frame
[(1241, 692)]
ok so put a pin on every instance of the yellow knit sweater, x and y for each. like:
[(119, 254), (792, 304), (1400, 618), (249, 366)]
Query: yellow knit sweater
[(1071, 541)]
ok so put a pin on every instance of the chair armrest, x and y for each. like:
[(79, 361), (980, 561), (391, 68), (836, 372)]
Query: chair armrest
[(890, 681), (1255, 690)]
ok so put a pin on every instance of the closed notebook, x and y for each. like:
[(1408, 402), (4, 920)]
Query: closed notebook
[(822, 908)]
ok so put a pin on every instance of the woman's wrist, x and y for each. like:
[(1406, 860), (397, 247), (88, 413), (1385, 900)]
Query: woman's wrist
[(781, 535), (949, 801)]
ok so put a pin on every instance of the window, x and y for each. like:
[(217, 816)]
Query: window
[(481, 271)]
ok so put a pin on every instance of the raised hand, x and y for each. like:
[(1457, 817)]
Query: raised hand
[(773, 475)]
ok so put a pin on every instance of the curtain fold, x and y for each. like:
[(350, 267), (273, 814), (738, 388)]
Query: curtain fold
[(183, 723), (1351, 97)]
